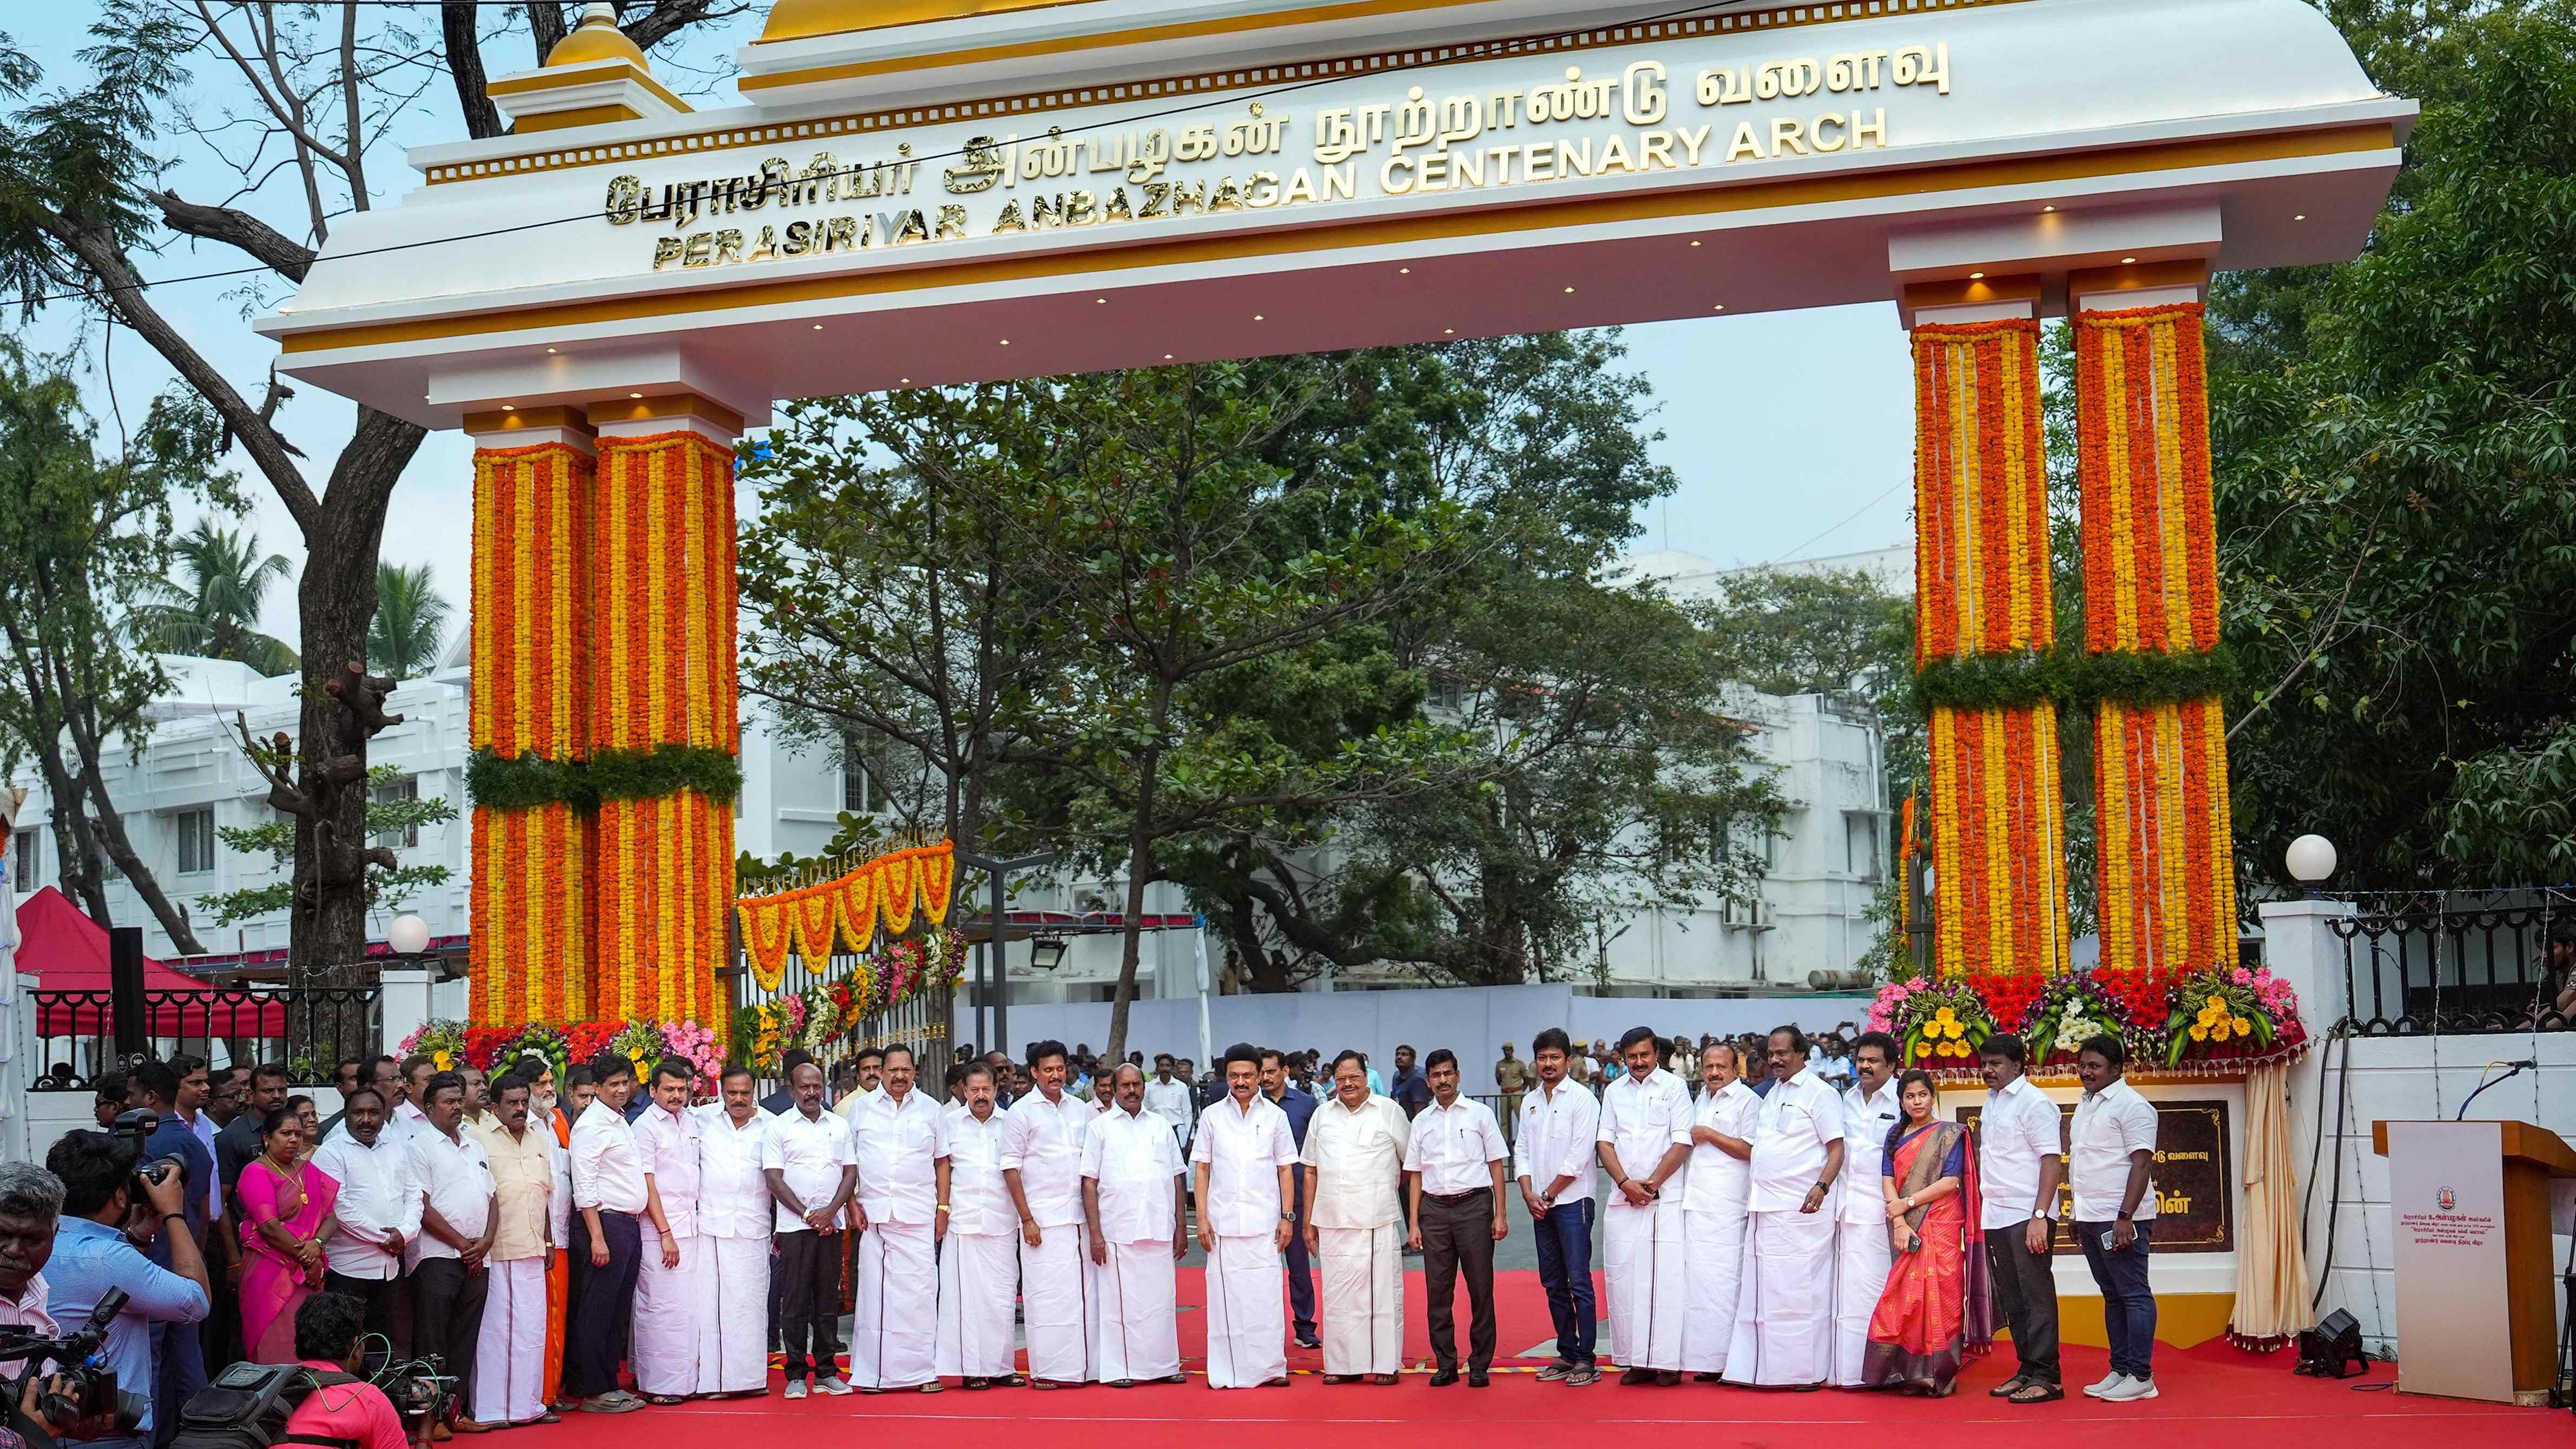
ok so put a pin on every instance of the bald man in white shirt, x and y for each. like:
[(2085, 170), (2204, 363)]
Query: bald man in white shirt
[(1131, 1189), (979, 1271), (1354, 1165), (1713, 1209)]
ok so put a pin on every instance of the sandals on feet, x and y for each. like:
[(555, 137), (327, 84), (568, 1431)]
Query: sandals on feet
[(2034, 1392)]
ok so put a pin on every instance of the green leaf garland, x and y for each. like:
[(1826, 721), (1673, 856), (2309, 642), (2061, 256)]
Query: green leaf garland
[(2074, 677), (527, 781)]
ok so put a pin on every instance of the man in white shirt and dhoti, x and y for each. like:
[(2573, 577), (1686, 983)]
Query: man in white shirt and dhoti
[(979, 1266), (1243, 1155), (1721, 1179), (1354, 1165), (894, 1312), (1042, 1169), (1784, 1331), (1862, 1251), (671, 1277), (734, 1214), (812, 1168), (1131, 1196), (1456, 1159), (1644, 1141)]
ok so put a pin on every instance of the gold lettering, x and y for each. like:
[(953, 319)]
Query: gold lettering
[(766, 249), (1386, 175), (1745, 144), (1158, 195), (841, 232), (666, 250), (1788, 138), (625, 199), (1655, 150), (1116, 207), (1872, 132), (952, 222), (1828, 144), (1009, 220), (800, 239), (1342, 182), (728, 246), (700, 251)]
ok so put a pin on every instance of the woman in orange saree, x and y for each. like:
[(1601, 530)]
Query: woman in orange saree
[(1936, 1312)]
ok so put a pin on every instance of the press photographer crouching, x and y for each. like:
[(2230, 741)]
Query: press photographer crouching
[(342, 1408), (95, 1252)]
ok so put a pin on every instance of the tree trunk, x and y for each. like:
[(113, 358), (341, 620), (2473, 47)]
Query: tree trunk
[(336, 599), (1140, 845), (109, 826)]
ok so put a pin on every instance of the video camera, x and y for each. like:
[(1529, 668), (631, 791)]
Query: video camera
[(94, 1407), (420, 1393), (134, 1126)]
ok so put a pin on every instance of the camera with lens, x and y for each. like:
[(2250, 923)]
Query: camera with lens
[(82, 1400), (420, 1393), (134, 1127)]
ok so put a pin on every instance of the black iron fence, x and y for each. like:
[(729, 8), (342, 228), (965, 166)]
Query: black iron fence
[(2453, 965), (308, 1029)]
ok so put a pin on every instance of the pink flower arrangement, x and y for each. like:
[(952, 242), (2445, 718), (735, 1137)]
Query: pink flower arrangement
[(695, 1045)]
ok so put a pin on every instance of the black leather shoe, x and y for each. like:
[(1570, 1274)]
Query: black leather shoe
[(1478, 1381), (1444, 1378), (1635, 1376), (1668, 1377)]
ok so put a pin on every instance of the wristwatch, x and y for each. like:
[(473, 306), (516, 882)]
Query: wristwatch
[(1287, 1217), (2039, 1215)]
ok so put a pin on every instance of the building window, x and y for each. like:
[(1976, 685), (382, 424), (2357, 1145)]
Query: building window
[(858, 792), (22, 861), (403, 790), (1860, 845), (196, 841), (1448, 693)]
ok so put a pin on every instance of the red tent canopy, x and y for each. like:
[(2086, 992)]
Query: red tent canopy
[(66, 951)]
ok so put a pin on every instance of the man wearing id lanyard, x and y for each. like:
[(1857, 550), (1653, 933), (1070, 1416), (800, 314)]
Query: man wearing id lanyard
[(2110, 1161)]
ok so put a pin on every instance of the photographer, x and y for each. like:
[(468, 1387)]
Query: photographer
[(31, 1204), (92, 1254), (329, 1328)]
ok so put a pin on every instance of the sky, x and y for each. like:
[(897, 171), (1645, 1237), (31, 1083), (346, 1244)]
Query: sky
[(1790, 433)]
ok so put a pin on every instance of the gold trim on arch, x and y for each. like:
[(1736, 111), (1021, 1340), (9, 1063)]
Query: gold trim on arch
[(1384, 231)]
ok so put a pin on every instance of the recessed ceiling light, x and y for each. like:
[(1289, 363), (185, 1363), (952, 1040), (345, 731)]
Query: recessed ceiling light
[(1448, 331), (1404, 271), (1167, 357), (550, 352), (1256, 316), (1976, 276), (1720, 307), (2124, 261), (2048, 208), (1694, 243), (513, 407), (1569, 291), (903, 382), (818, 326), (1006, 342), (2302, 216), (1103, 301), (636, 395)]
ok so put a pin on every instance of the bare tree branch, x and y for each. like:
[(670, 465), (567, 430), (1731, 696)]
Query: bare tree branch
[(273, 249)]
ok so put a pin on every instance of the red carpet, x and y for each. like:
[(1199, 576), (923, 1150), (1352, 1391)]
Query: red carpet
[(2213, 1390)]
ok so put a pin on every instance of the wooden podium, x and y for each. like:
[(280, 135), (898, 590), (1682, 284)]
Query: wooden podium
[(2469, 1207)]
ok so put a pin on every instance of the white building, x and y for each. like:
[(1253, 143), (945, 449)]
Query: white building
[(1823, 867)]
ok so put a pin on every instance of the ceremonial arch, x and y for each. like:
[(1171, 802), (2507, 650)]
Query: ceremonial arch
[(925, 192)]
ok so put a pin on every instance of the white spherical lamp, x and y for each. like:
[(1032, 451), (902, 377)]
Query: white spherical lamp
[(2311, 858), (408, 935)]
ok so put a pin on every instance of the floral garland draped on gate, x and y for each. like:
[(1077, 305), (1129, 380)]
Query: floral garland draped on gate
[(847, 909)]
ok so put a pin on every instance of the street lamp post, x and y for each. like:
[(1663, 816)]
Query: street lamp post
[(997, 989)]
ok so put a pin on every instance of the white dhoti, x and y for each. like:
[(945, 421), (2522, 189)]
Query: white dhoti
[(1363, 1290), (1784, 1329), (1716, 1254), (510, 1353), (1641, 1258), (1135, 1302), (1862, 1254), (668, 1304), (733, 1319), (979, 1282), (895, 1314), (1056, 1287), (1247, 1315)]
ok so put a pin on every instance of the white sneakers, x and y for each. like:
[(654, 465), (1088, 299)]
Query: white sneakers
[(796, 1389), (833, 1384), (2119, 1388), (2109, 1381)]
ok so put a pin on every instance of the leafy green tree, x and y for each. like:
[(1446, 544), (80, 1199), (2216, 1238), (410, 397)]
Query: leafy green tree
[(410, 624), (390, 819), (80, 538), (215, 613)]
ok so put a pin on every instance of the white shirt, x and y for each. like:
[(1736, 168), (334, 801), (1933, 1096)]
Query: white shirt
[(607, 1164), (1643, 1120), (1134, 1159), (809, 1153), (1453, 1147), (1042, 1142), (377, 1192), (733, 1194), (897, 1144), (1358, 1157), (2019, 1127), (1170, 1101), (1556, 1137), (978, 1202), (1866, 1121), (669, 1144), (1798, 1121), (1720, 1181), (1244, 1148), (455, 1178), (2109, 1125)]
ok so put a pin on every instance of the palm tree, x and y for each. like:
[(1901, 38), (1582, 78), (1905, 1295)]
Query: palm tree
[(214, 614), (410, 622)]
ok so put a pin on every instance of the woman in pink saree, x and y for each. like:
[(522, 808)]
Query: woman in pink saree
[(286, 1216), (1936, 1311)]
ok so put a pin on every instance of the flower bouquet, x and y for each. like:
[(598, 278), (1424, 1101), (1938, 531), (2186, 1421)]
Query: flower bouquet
[(2222, 1013), (2070, 1011), (696, 1045), (1941, 1023), (639, 1042), (533, 1040), (443, 1042)]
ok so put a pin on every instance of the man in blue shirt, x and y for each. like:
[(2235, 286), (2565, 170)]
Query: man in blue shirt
[(1300, 1108), (92, 1255), (1412, 1090), (177, 1090)]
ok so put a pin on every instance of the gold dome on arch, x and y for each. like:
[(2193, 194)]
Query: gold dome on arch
[(803, 19), (597, 38)]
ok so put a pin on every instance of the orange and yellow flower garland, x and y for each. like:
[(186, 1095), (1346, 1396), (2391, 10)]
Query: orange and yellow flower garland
[(1982, 588), (848, 907), (528, 903), (2167, 856)]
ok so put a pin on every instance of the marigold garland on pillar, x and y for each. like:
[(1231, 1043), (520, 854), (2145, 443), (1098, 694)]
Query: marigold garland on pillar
[(848, 908), (528, 898), (2167, 856), (1997, 833)]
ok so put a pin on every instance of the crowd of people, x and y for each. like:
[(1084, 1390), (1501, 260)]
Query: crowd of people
[(600, 1244)]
